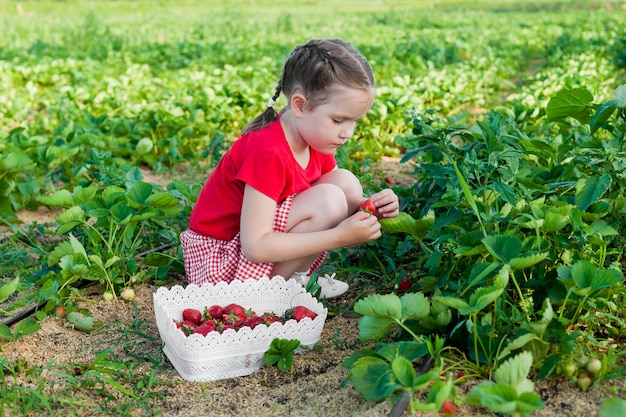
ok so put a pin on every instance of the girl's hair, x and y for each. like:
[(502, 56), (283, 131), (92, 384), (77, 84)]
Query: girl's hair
[(312, 69)]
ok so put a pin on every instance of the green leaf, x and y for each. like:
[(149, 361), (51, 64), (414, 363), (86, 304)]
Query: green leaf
[(590, 189), (570, 103), (377, 305), (281, 353), (452, 302), (505, 191), (481, 298), (25, 327), (620, 96), (62, 249), (8, 289), (549, 365), (612, 407), (84, 194), (499, 398), (411, 350), (586, 275), (139, 194), (403, 223), (156, 259), (60, 198), (5, 332), (375, 328), (517, 343), (602, 115), (514, 372), (423, 225), (77, 247), (121, 213), (163, 201), (73, 214), (373, 379), (554, 221), (503, 248), (528, 260), (415, 306), (403, 371)]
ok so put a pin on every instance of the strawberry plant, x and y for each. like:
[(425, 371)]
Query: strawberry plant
[(389, 371), (511, 392), (281, 353), (105, 250)]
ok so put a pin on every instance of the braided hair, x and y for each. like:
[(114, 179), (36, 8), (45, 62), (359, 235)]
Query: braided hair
[(313, 69)]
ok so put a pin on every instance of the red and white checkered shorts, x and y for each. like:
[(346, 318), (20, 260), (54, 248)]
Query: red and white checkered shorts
[(212, 260)]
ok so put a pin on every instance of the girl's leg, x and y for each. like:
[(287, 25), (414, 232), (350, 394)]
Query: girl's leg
[(349, 184), (329, 201)]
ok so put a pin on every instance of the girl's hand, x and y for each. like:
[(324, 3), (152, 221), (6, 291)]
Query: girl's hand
[(359, 228), (386, 203)]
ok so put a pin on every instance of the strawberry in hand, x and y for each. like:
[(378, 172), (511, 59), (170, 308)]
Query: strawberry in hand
[(368, 206)]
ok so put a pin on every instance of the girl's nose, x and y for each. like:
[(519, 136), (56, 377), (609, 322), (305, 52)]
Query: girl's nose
[(347, 131)]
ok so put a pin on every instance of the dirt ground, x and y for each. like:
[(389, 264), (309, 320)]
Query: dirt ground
[(313, 387)]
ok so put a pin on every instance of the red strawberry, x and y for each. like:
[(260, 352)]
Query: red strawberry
[(226, 327), (186, 326), (237, 310), (269, 318), (404, 285), (233, 319), (368, 206), (253, 321), (205, 328), (191, 314), (448, 408), (214, 312), (301, 312)]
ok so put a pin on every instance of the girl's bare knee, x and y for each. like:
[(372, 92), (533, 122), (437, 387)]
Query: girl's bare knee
[(321, 207), (348, 183)]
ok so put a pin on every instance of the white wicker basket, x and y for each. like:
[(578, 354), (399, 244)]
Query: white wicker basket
[(232, 353)]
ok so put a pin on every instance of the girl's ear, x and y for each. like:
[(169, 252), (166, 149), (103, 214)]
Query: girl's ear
[(298, 104)]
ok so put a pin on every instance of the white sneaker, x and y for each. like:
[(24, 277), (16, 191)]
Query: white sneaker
[(301, 278), (330, 287)]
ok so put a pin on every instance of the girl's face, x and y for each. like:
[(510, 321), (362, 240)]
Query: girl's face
[(329, 125)]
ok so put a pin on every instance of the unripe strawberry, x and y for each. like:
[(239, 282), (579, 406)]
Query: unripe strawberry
[(127, 294), (594, 366), (569, 369), (584, 382), (107, 296), (60, 312)]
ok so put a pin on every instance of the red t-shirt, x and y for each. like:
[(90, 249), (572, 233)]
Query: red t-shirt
[(263, 160)]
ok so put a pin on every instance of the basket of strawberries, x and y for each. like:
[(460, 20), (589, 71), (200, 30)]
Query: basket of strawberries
[(218, 331)]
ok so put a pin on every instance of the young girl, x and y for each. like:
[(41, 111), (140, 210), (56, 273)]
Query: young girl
[(277, 202)]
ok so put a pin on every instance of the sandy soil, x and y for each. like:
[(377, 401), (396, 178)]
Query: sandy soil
[(313, 387)]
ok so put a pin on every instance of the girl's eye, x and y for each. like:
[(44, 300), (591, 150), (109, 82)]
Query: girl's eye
[(337, 121)]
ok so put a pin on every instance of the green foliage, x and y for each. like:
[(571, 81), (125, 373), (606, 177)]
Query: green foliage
[(280, 353), (512, 392), (612, 407), (389, 371), (511, 232)]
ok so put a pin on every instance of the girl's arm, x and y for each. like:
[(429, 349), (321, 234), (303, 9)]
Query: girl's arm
[(261, 244)]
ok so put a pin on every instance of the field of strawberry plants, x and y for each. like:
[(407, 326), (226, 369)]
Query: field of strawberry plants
[(505, 268)]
